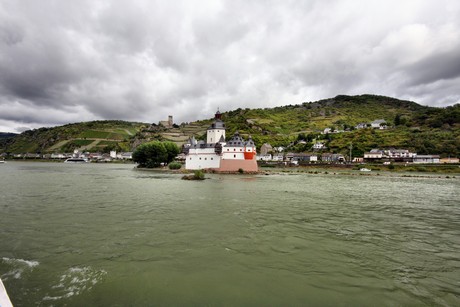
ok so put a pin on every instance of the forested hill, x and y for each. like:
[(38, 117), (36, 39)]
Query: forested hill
[(7, 135), (410, 125)]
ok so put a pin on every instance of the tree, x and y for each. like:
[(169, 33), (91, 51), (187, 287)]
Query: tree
[(154, 153), (397, 120), (172, 151)]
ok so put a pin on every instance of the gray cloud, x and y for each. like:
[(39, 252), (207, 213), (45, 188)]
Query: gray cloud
[(142, 60)]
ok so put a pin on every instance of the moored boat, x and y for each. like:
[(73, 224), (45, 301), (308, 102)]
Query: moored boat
[(364, 169), (76, 160)]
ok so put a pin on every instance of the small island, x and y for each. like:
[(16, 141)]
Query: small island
[(197, 175)]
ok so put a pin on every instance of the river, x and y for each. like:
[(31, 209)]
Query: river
[(111, 235)]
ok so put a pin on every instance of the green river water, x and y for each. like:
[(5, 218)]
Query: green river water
[(110, 235)]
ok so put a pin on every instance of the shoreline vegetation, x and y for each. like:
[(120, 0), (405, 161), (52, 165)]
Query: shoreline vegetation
[(419, 171)]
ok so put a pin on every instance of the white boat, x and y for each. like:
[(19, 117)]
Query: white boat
[(2, 161), (364, 169), (76, 160)]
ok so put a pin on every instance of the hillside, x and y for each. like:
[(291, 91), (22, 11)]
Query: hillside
[(95, 136), (411, 126), (7, 135)]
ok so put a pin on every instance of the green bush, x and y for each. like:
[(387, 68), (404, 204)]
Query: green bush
[(174, 165), (198, 175)]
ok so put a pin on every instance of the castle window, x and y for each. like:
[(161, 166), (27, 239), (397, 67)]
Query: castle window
[(234, 149), (234, 156), (212, 158), (241, 149), (206, 158), (200, 158)]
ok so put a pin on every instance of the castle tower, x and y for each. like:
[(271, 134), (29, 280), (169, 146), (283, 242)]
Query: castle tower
[(170, 121), (216, 131)]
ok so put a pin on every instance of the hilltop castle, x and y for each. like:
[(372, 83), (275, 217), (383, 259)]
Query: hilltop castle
[(219, 154), (167, 123)]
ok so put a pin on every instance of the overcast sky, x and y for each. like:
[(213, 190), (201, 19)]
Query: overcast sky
[(141, 60)]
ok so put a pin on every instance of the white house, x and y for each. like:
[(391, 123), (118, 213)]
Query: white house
[(319, 146), (374, 154), (264, 157), (426, 159), (379, 124), (399, 153)]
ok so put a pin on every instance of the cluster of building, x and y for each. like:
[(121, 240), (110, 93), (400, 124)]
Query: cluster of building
[(90, 156), (295, 158), (376, 124), (375, 155), (403, 155)]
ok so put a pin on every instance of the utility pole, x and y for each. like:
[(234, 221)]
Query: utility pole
[(351, 147)]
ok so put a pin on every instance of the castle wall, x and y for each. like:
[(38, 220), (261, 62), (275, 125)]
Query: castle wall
[(202, 159), (231, 165), (233, 153)]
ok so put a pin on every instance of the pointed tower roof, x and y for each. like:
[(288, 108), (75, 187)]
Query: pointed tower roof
[(250, 142), (217, 123)]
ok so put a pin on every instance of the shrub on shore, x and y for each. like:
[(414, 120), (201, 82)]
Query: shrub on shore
[(174, 165)]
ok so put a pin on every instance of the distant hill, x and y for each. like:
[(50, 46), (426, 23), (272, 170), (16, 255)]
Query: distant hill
[(7, 135), (411, 126)]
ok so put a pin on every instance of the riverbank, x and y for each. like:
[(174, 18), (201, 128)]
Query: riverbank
[(425, 168), (334, 171)]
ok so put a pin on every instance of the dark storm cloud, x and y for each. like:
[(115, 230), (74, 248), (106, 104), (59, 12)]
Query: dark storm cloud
[(443, 66), (142, 60)]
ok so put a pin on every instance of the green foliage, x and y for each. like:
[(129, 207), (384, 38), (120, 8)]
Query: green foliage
[(172, 150), (174, 165), (154, 153), (198, 175), (93, 134), (72, 145)]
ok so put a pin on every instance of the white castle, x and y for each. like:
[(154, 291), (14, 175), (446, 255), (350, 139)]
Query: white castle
[(218, 154)]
